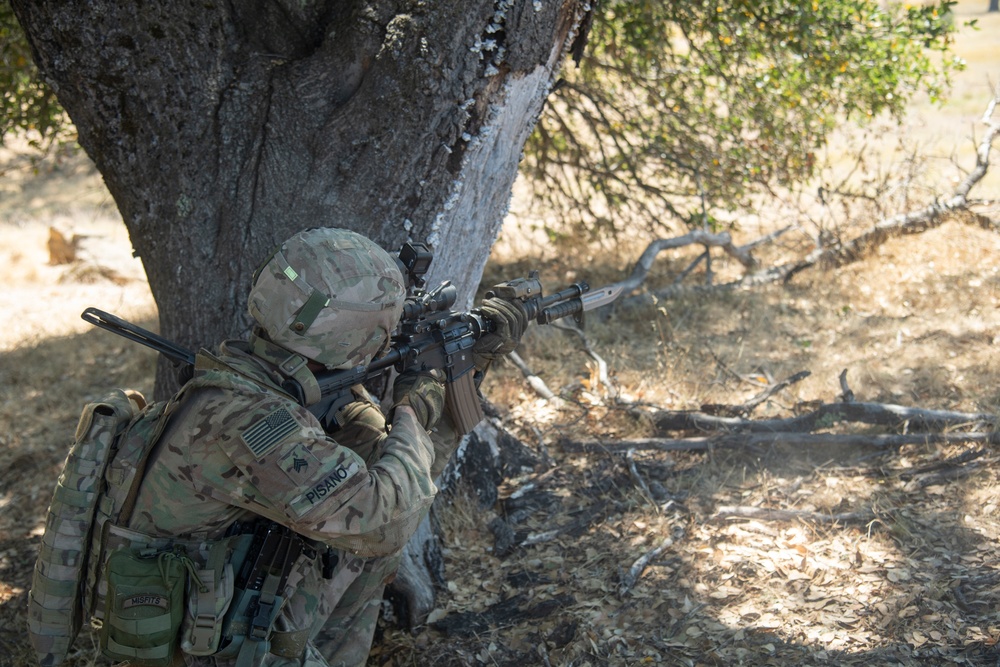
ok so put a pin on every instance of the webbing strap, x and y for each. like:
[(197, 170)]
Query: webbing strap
[(290, 365), (202, 632), (47, 617), (72, 497), (48, 554), (309, 311), (268, 604), (152, 653), (141, 626), (55, 587), (251, 653), (140, 467)]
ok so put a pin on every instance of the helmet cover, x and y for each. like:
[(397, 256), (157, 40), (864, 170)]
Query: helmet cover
[(330, 295)]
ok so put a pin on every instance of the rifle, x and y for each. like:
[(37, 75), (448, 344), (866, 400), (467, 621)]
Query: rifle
[(430, 336)]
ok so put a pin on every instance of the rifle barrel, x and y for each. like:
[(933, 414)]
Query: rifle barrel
[(169, 349)]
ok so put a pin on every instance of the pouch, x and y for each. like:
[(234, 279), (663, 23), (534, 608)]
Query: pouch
[(144, 606), (210, 595)]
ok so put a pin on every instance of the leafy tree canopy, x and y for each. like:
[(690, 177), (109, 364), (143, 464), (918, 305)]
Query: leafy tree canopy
[(29, 105), (678, 109)]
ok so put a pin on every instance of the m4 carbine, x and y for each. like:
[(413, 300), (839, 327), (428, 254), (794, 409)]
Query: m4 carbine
[(431, 336)]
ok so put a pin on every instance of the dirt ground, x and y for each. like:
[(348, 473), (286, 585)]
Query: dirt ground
[(916, 582), (916, 324)]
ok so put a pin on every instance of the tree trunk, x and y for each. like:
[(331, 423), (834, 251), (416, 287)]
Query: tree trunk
[(222, 128), (994, 6)]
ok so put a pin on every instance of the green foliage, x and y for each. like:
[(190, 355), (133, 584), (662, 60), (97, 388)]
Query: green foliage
[(680, 108), (29, 105)]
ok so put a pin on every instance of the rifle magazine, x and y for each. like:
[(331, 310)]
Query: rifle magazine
[(463, 404)]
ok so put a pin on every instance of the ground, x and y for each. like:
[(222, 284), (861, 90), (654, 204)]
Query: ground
[(915, 323)]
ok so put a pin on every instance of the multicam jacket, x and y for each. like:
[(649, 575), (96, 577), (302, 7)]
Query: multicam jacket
[(243, 448), (239, 448)]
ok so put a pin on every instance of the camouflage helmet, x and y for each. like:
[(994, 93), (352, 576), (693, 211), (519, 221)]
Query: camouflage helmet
[(330, 295)]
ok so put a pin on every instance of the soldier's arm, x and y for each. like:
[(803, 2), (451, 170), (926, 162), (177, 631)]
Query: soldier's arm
[(294, 473)]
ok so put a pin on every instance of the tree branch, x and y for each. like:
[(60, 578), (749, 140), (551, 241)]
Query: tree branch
[(839, 254), (826, 415), (759, 440), (766, 514)]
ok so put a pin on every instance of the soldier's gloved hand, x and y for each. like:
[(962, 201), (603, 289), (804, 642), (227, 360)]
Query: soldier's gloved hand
[(510, 320), (423, 392)]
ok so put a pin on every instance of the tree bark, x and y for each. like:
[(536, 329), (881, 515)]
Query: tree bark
[(222, 128)]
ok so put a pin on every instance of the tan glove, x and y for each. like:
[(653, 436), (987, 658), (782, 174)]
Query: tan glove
[(510, 320), (423, 392)]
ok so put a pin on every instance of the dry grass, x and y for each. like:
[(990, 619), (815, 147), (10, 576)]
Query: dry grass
[(915, 323)]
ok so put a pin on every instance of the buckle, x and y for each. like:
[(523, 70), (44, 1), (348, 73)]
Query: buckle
[(202, 635), (293, 365)]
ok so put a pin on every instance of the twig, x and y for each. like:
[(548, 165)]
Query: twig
[(589, 515), (602, 366), (686, 271), (634, 572), (942, 477), (637, 478), (947, 464), (535, 382), (746, 408), (694, 237), (846, 395), (770, 391)]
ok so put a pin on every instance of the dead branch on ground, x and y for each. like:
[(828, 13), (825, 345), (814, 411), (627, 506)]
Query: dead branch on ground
[(766, 514), (832, 255), (759, 441), (835, 254), (823, 416), (630, 578)]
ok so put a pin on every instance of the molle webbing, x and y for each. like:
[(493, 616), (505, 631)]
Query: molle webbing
[(56, 603), (124, 476), (97, 487)]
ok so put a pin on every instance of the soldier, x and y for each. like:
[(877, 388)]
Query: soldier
[(239, 449)]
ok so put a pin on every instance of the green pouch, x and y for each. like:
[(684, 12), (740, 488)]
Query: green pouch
[(144, 606)]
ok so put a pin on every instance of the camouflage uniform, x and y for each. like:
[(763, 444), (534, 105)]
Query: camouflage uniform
[(364, 497), (239, 447)]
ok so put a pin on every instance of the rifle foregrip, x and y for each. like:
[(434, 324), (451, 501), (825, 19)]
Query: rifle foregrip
[(463, 404)]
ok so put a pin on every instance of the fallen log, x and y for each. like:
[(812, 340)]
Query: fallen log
[(766, 514), (760, 440), (824, 416)]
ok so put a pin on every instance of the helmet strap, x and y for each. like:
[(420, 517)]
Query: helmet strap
[(289, 364)]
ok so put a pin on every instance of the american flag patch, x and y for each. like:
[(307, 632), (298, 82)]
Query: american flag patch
[(268, 432)]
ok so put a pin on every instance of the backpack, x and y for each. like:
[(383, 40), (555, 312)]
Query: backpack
[(143, 593), (98, 484)]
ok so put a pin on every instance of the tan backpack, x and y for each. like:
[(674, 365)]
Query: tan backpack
[(96, 489), (146, 596)]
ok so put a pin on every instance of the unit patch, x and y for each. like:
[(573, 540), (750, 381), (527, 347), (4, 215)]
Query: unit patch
[(146, 601), (265, 433)]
